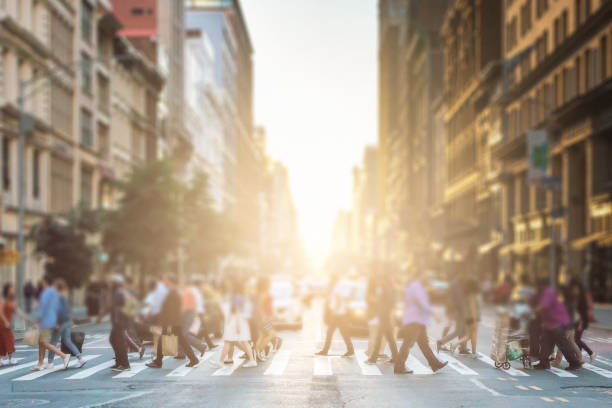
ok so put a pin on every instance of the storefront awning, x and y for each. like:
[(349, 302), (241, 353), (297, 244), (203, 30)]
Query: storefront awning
[(580, 244)]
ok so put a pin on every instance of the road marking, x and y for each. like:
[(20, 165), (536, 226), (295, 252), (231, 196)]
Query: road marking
[(458, 366), (134, 369), (15, 360), (521, 387), (366, 369), (602, 340), (512, 371), (322, 366), (561, 399), (547, 399), (24, 346), (485, 388), (17, 367), (115, 400), (229, 369), (535, 387), (183, 370), (598, 370), (419, 368), (38, 374), (603, 360), (91, 371), (279, 363), (561, 373)]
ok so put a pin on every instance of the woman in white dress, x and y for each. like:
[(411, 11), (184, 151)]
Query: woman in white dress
[(236, 330)]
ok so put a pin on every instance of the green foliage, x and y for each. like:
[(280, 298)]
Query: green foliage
[(65, 246)]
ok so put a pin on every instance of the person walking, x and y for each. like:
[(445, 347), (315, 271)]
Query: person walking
[(8, 308), (236, 330), (582, 309), (417, 313), (170, 318), (29, 293), (554, 321), (372, 313), (119, 325), (191, 311), (472, 315), (265, 309), (459, 304), (336, 316), (47, 320), (208, 304), (64, 321), (384, 308)]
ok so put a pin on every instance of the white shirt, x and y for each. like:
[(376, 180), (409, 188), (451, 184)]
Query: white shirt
[(339, 296), (157, 298), (198, 299)]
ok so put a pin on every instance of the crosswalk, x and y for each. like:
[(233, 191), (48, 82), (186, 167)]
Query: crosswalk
[(289, 360)]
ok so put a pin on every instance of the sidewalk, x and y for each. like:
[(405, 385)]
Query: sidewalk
[(603, 316)]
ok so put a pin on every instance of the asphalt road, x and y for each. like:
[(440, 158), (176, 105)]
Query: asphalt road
[(295, 378)]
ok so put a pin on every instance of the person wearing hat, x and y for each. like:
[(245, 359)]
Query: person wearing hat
[(417, 312), (119, 324)]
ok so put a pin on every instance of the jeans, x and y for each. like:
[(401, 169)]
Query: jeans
[(580, 343), (558, 336), (385, 328), (188, 319), (182, 342), (338, 322), (458, 332), (118, 342), (62, 333), (416, 332)]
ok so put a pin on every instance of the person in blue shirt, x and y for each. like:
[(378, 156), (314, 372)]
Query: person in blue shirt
[(48, 310), (64, 321)]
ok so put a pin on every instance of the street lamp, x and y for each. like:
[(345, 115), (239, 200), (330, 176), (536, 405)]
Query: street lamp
[(25, 126)]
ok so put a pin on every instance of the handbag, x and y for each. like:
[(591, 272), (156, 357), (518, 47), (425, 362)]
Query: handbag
[(31, 337), (169, 345)]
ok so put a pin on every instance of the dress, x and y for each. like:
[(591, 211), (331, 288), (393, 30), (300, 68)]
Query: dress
[(7, 340), (236, 325)]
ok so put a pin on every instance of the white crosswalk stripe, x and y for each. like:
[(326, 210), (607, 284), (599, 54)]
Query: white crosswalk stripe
[(229, 369), (279, 363), (366, 369), (183, 370), (88, 372), (417, 367), (561, 373), (135, 369), (322, 366), (15, 361), (17, 367), (457, 365), (597, 370), (604, 361), (512, 371), (38, 374)]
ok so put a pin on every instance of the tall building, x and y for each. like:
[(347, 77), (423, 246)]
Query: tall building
[(559, 68), (76, 94), (411, 69), (365, 185), (244, 161), (158, 28), (471, 78)]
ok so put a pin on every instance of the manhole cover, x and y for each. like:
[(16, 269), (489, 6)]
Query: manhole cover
[(22, 403)]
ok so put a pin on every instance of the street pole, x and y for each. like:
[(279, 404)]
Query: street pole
[(21, 135)]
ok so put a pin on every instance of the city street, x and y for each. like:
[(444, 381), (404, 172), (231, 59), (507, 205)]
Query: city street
[(295, 377)]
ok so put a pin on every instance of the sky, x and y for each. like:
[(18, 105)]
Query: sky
[(316, 95)]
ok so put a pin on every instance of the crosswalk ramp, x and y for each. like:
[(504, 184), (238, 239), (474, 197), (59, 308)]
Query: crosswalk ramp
[(288, 361)]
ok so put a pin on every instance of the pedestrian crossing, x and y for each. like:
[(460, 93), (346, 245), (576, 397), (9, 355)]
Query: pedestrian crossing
[(288, 360)]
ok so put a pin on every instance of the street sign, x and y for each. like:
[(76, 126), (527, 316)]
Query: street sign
[(537, 156)]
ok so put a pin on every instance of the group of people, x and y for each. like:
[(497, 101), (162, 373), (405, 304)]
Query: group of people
[(52, 320), (178, 309), (381, 298)]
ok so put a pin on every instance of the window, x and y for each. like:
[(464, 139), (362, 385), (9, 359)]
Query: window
[(61, 39), (526, 17), (603, 51), (86, 68), (587, 71), (578, 75), (36, 174), (61, 184), (6, 164), (86, 20), (103, 94), (595, 66), (86, 129), (564, 25), (61, 108), (541, 7), (86, 186)]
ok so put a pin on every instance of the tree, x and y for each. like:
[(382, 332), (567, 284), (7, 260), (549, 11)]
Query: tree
[(65, 245)]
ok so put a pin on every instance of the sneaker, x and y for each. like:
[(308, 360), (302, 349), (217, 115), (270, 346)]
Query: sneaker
[(453, 348), (250, 364), (66, 361), (193, 363), (153, 364), (11, 362), (592, 357), (3, 363), (37, 367), (321, 353), (475, 356), (80, 363), (121, 368), (47, 366)]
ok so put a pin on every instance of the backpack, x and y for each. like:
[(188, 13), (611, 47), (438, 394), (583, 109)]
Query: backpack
[(131, 305)]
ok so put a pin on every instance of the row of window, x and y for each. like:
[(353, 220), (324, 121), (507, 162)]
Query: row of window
[(7, 173)]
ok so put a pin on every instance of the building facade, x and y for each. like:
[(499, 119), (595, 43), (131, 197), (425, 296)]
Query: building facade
[(559, 80)]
